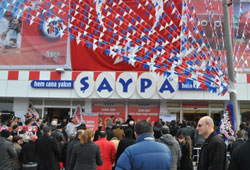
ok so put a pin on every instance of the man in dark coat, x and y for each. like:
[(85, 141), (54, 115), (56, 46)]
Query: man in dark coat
[(213, 151), (125, 142), (71, 145), (173, 146), (7, 151), (239, 141), (240, 157), (47, 150)]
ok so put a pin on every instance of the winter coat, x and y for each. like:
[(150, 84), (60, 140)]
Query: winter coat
[(123, 144), (186, 162), (48, 152), (108, 152), (16, 161), (213, 153), (236, 144), (174, 147), (7, 153), (240, 157), (146, 154), (69, 151), (28, 153), (85, 156)]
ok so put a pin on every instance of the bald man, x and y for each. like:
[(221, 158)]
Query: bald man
[(213, 151)]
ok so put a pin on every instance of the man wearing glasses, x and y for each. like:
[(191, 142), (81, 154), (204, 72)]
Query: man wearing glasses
[(213, 151)]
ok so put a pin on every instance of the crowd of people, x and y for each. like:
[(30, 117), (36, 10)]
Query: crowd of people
[(121, 146)]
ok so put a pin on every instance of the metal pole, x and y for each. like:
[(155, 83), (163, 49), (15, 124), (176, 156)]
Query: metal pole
[(230, 66)]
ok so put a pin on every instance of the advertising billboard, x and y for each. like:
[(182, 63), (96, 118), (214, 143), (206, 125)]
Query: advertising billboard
[(29, 35)]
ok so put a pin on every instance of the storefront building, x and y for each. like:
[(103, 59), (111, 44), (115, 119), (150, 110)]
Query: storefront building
[(143, 95)]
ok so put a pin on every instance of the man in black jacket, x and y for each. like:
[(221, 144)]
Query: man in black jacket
[(213, 151), (71, 145), (240, 157), (47, 150)]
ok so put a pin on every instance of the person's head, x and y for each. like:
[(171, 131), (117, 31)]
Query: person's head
[(129, 117), (184, 124), (128, 133), (143, 127), (100, 128), (17, 139), (5, 133), (46, 130), (39, 121), (14, 127), (165, 130), (54, 123), (26, 139), (181, 139), (243, 126), (205, 126), (239, 134), (86, 136), (82, 127), (8, 15), (28, 122), (118, 123), (157, 124), (103, 134), (19, 119), (79, 133)]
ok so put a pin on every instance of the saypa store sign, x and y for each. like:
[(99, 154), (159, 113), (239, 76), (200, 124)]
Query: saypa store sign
[(125, 84)]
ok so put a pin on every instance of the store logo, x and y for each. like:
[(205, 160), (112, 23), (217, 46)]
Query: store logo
[(124, 84), (52, 27)]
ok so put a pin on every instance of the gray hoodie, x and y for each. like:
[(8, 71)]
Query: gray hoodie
[(7, 153), (174, 147)]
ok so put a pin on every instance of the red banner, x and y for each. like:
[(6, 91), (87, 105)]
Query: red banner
[(4, 128), (27, 128), (91, 120), (108, 109), (144, 111)]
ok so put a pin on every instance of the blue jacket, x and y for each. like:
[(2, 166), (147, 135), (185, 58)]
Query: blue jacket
[(146, 154)]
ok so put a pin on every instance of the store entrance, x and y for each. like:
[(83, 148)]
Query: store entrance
[(59, 113), (194, 115)]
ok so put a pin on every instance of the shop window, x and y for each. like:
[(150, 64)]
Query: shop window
[(57, 102), (6, 105), (37, 102), (78, 102), (217, 105), (173, 104), (173, 114), (194, 114)]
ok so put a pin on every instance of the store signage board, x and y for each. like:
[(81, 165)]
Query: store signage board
[(52, 84), (188, 86), (125, 84)]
